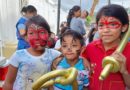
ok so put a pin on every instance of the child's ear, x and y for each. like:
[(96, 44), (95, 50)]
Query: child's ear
[(124, 28)]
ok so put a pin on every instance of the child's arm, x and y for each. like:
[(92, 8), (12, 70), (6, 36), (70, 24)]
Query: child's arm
[(123, 70), (10, 78), (56, 61), (86, 63)]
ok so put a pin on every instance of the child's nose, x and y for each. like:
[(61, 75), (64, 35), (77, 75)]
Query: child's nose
[(106, 29), (69, 48), (37, 36)]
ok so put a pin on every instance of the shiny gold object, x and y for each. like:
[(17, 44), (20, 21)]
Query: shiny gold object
[(63, 77), (109, 63)]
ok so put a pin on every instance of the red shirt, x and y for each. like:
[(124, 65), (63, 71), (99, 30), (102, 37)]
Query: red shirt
[(95, 53)]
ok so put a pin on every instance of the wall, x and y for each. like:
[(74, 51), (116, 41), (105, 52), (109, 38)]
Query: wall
[(9, 14)]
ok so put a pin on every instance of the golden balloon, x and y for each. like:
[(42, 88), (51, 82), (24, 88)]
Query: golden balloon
[(109, 63), (64, 77)]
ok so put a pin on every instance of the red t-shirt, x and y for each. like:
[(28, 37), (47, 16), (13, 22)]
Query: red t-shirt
[(95, 53)]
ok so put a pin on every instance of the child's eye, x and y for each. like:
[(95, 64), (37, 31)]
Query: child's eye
[(100, 25), (42, 32), (112, 24), (64, 46), (74, 45), (31, 33)]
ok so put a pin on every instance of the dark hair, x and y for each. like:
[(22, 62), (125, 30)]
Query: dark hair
[(87, 13), (63, 24), (38, 20), (74, 34), (31, 9), (71, 13), (63, 30), (91, 34), (115, 11), (24, 10)]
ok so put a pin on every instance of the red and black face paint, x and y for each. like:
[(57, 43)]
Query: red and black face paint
[(107, 22), (37, 36)]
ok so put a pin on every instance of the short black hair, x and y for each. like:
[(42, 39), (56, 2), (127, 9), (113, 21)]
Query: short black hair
[(24, 9), (113, 10), (31, 9), (74, 34)]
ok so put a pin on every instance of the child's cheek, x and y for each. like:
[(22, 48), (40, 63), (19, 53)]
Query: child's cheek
[(32, 40), (44, 37), (32, 43)]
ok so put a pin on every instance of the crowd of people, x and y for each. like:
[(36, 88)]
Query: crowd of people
[(39, 48)]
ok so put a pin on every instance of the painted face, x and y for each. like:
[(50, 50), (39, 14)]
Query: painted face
[(70, 48), (37, 36), (109, 29), (108, 22)]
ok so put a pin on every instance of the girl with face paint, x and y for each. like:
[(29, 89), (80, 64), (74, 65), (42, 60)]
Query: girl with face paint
[(27, 65), (112, 22), (72, 44)]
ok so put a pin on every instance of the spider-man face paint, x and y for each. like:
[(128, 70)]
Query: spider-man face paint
[(109, 22), (37, 36)]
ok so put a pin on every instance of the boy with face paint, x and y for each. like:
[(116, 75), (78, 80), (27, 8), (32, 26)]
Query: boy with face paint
[(72, 44), (26, 65)]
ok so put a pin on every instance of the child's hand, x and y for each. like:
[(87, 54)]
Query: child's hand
[(56, 62), (122, 60)]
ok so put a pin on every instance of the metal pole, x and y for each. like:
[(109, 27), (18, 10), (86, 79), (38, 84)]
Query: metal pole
[(58, 16), (109, 2), (80, 3)]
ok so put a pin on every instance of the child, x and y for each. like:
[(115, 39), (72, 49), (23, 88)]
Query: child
[(27, 12), (112, 21), (27, 65), (71, 45)]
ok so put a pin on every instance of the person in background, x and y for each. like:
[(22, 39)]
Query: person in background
[(72, 44), (91, 33), (27, 12), (112, 22), (88, 19), (74, 21), (27, 65), (84, 14), (58, 42), (63, 27), (52, 40)]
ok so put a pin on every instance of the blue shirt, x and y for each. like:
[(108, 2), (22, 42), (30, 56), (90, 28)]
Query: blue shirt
[(22, 44), (82, 77)]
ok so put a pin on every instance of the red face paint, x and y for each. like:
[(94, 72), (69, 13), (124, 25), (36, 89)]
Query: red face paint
[(37, 36), (108, 22)]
